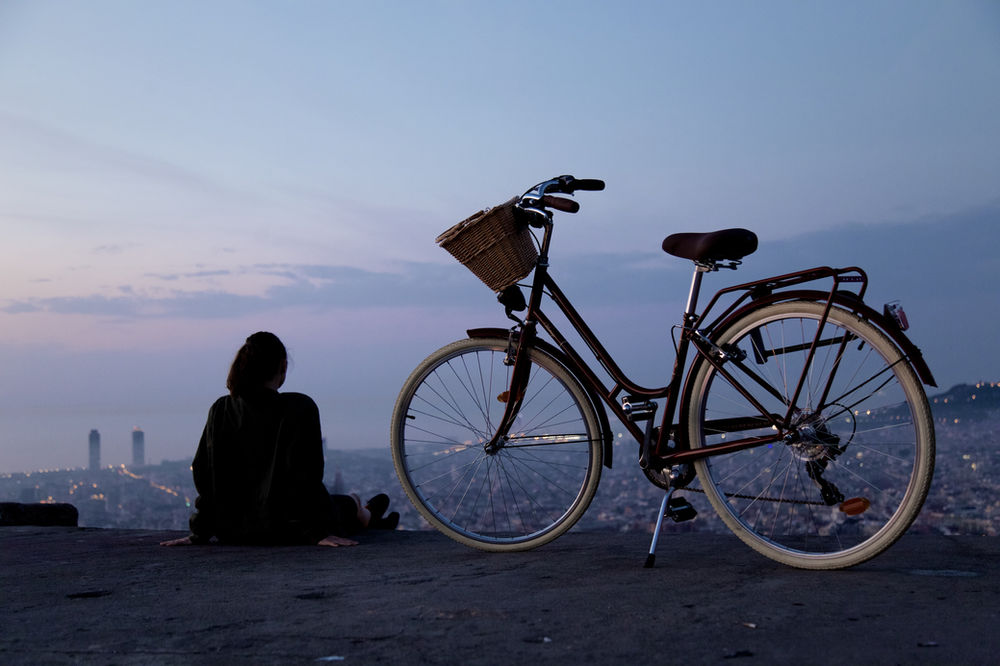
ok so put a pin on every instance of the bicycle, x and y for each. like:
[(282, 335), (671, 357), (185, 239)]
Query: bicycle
[(802, 414)]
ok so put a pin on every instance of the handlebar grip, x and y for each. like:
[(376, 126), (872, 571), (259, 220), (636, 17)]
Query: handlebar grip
[(565, 205), (592, 184)]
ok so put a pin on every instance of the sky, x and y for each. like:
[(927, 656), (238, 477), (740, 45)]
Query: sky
[(177, 175)]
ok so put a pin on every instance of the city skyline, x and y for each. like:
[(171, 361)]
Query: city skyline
[(938, 399), (964, 498), (138, 450)]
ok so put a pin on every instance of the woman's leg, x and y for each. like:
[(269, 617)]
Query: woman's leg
[(364, 515), (350, 517)]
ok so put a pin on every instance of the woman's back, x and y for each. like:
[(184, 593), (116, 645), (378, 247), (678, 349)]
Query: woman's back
[(259, 465), (259, 470)]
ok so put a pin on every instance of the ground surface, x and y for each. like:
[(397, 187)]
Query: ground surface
[(73, 595)]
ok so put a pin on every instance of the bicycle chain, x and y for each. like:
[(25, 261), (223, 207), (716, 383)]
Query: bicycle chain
[(659, 483), (761, 499)]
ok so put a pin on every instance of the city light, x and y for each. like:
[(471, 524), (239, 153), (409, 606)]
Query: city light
[(162, 495)]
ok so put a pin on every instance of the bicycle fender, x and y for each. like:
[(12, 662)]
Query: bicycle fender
[(602, 415), (850, 302)]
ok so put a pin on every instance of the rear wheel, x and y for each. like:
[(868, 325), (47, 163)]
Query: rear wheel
[(849, 474), (527, 493)]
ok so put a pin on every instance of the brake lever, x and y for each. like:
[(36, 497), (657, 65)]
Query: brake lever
[(533, 208), (557, 184)]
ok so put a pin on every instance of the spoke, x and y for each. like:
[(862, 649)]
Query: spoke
[(781, 494), (443, 418), (878, 451), (450, 400), (527, 493), (553, 483), (446, 473), (481, 405), (878, 388)]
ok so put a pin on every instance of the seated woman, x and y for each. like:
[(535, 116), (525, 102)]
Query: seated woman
[(259, 466)]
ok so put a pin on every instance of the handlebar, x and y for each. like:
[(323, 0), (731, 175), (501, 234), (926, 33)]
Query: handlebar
[(566, 185), (565, 205), (592, 184), (539, 199)]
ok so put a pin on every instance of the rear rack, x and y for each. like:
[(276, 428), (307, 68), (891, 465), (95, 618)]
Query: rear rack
[(763, 288)]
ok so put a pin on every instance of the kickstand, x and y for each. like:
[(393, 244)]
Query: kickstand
[(651, 558)]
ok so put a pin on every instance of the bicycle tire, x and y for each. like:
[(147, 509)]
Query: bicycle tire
[(853, 472), (530, 491)]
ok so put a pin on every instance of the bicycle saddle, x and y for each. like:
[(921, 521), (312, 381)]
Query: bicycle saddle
[(725, 245)]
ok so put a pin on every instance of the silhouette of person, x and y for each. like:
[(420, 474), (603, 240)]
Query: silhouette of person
[(259, 465)]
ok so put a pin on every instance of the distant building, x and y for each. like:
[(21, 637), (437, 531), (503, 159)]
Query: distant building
[(138, 447), (95, 450)]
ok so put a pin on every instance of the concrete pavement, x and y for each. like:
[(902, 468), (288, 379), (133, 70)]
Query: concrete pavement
[(77, 595)]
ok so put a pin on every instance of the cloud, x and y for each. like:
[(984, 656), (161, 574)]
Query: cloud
[(121, 306), (318, 286), (173, 277), (114, 248), (21, 307), (50, 145), (312, 286), (208, 273), (942, 269)]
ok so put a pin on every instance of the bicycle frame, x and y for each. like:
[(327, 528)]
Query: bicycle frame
[(693, 331)]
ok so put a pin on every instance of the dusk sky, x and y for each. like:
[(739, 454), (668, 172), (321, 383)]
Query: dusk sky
[(177, 175)]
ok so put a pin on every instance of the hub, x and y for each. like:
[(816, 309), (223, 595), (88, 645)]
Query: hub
[(811, 439)]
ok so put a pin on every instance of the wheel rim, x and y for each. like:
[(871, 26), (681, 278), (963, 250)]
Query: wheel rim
[(536, 484), (847, 475)]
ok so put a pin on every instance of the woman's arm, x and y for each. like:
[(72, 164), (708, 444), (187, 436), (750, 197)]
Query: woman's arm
[(186, 541), (335, 541), (202, 521), (308, 500)]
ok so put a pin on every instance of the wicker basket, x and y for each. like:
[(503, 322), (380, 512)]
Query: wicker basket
[(493, 245)]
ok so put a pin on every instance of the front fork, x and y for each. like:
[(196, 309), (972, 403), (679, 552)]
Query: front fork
[(519, 344)]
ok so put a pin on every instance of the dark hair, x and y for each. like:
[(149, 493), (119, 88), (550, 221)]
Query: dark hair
[(257, 362)]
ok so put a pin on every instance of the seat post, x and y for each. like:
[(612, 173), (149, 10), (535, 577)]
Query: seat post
[(692, 303)]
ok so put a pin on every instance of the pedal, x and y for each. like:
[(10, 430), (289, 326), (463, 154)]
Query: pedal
[(637, 410), (680, 510)]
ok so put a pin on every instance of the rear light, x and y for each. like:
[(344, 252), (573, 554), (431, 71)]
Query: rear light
[(895, 312)]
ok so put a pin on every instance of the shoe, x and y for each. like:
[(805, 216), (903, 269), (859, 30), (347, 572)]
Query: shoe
[(377, 506), (390, 522)]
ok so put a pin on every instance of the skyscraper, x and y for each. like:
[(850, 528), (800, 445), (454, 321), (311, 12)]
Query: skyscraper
[(138, 447), (95, 450)]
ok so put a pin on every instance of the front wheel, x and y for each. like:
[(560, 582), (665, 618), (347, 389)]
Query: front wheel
[(530, 490), (847, 476)]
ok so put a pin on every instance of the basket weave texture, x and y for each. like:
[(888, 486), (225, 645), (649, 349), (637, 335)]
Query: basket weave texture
[(494, 245)]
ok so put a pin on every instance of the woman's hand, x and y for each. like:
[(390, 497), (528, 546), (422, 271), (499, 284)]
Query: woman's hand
[(186, 541), (335, 541)]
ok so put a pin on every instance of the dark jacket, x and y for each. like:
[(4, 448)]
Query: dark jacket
[(259, 472)]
